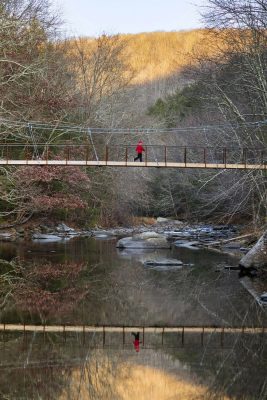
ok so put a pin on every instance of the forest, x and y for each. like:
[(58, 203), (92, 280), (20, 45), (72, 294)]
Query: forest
[(133, 282), (209, 84)]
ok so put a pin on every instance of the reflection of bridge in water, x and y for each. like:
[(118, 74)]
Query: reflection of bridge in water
[(150, 336), (122, 156)]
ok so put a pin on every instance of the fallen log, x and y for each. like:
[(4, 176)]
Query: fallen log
[(223, 241)]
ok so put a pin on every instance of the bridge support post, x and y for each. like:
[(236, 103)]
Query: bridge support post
[(83, 335), (245, 157), (222, 337), (106, 155), (143, 336), (3, 334), (46, 153), (202, 336), (86, 155), (64, 333), (67, 154), (44, 338), (224, 157), (263, 161), (104, 337), (26, 152), (7, 153), (24, 335)]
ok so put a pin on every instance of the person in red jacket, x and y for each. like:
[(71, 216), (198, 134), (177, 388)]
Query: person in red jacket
[(136, 341), (139, 150)]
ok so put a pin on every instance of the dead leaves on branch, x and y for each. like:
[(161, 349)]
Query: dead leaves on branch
[(51, 290)]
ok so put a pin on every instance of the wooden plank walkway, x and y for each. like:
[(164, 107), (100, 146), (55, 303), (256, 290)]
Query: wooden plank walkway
[(124, 329), (147, 164)]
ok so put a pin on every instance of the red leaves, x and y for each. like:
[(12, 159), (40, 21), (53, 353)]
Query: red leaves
[(46, 188), (49, 203), (56, 271), (46, 303), (71, 175), (50, 290)]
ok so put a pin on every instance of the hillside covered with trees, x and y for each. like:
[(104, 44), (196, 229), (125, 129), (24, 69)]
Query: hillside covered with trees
[(214, 78)]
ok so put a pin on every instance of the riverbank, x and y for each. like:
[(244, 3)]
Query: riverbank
[(231, 239), (234, 240)]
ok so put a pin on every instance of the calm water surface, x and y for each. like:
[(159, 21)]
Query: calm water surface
[(107, 286)]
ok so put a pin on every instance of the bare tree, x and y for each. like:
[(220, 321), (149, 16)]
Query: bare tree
[(102, 72), (234, 84)]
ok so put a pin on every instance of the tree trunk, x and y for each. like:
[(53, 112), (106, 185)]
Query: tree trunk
[(257, 256)]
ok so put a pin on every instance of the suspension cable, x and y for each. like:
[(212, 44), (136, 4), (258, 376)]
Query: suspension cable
[(35, 147), (89, 132), (77, 129), (153, 151)]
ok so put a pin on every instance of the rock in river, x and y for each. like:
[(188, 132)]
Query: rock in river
[(162, 220), (187, 244), (165, 264), (42, 236), (164, 261), (146, 240), (63, 228)]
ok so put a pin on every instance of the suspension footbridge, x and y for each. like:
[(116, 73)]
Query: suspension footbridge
[(38, 144), (123, 156), (150, 336)]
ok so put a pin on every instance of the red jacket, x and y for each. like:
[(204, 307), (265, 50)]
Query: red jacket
[(136, 343), (139, 148)]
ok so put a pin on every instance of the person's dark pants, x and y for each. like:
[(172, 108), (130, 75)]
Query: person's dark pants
[(139, 156), (136, 335)]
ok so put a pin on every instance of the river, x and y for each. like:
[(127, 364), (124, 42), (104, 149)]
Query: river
[(88, 281)]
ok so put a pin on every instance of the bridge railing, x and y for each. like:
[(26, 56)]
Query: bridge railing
[(126, 153), (152, 337)]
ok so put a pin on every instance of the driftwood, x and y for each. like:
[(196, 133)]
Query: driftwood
[(223, 241), (17, 223)]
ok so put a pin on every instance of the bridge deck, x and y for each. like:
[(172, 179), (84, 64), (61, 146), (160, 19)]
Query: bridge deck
[(150, 164), (146, 329)]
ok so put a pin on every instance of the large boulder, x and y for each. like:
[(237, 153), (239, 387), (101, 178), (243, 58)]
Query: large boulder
[(47, 237), (145, 240), (63, 228), (257, 256), (161, 220), (6, 236)]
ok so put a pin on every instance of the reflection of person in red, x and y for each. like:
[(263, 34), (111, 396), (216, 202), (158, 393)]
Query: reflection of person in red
[(136, 341), (139, 150)]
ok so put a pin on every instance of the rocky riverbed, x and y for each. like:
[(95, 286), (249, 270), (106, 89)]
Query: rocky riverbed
[(163, 234), (172, 230)]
